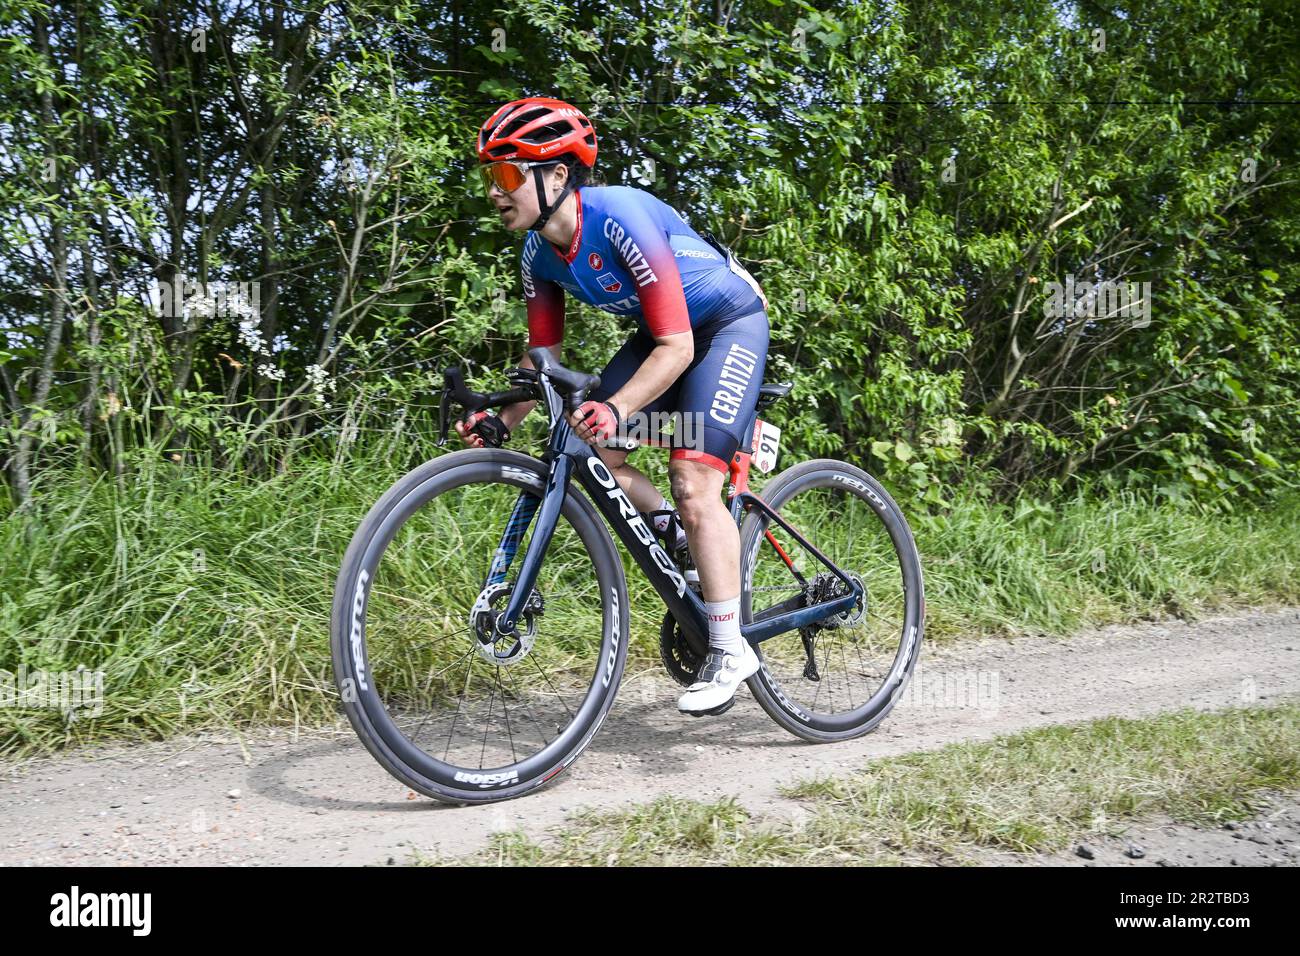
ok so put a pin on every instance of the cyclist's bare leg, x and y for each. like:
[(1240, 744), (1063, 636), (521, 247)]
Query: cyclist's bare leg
[(712, 534), (640, 489)]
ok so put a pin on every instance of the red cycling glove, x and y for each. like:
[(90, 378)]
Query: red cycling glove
[(601, 418), (483, 430)]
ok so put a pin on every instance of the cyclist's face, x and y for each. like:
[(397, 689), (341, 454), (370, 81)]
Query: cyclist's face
[(519, 208)]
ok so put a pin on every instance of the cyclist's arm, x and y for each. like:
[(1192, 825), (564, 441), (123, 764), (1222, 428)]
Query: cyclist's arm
[(663, 366), (650, 260), (545, 301)]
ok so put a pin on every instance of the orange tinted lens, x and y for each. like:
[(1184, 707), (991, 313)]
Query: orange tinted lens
[(507, 176)]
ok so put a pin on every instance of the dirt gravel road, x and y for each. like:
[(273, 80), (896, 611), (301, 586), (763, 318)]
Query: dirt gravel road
[(273, 798)]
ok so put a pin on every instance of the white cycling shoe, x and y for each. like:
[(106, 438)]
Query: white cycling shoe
[(720, 678)]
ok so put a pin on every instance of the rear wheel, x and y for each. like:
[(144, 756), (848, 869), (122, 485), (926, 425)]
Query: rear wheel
[(839, 678), (449, 707)]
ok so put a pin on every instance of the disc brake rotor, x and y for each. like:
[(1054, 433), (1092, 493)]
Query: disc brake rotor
[(837, 588), (504, 650)]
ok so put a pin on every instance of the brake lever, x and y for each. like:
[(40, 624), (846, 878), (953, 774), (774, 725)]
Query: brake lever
[(471, 401), (455, 388), (444, 406)]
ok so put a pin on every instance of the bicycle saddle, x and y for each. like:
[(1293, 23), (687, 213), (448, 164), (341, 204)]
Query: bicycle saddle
[(769, 392)]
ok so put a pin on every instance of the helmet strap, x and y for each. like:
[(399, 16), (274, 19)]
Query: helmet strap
[(549, 209)]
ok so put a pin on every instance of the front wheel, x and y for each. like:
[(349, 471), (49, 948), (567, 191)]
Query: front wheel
[(447, 705), (840, 677)]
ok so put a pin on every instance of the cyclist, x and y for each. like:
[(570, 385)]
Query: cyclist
[(699, 347)]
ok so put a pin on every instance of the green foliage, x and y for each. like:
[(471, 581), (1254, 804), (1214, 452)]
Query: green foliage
[(906, 181)]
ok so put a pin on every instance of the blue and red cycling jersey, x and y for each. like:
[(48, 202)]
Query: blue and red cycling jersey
[(632, 254)]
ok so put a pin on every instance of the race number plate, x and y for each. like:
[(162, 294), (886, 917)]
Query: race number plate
[(767, 442)]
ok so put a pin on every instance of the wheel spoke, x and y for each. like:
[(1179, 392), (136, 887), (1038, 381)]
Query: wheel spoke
[(553, 688), (459, 702), (505, 710), (486, 726), (545, 741), (848, 679)]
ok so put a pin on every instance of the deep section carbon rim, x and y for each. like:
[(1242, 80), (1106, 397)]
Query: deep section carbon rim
[(839, 677), (448, 699)]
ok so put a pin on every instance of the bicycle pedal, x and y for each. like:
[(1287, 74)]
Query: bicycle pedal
[(714, 712)]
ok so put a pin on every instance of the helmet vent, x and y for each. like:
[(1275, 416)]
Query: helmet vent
[(518, 122), (547, 133)]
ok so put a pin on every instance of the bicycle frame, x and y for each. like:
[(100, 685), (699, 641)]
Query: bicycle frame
[(570, 457)]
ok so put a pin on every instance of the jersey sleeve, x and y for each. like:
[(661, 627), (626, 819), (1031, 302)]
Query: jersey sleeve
[(649, 259), (544, 299)]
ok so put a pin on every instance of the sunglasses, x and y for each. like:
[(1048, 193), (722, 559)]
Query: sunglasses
[(508, 175)]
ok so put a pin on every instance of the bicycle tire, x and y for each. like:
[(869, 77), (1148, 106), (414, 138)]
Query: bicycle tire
[(763, 685), (367, 712)]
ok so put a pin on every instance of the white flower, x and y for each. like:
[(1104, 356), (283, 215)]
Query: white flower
[(237, 303), (251, 337), (200, 304), (271, 372), (319, 381)]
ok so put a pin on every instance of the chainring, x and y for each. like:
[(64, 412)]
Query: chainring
[(681, 662)]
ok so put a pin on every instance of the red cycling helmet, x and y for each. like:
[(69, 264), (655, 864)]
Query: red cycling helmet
[(538, 129)]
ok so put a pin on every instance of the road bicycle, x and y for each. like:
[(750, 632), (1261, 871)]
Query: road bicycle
[(481, 617)]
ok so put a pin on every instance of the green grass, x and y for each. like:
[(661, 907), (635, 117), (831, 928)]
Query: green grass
[(1089, 561), (1036, 790), (205, 597), (1026, 793), (670, 831)]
